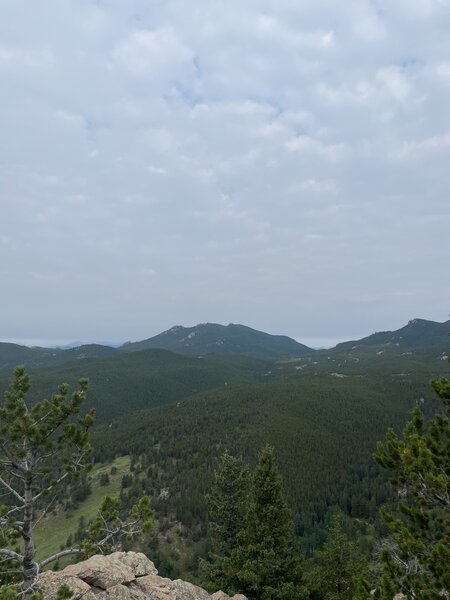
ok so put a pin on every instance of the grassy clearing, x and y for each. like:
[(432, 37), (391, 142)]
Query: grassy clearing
[(53, 531)]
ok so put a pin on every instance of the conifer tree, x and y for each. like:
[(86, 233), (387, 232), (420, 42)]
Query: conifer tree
[(42, 447), (338, 567), (266, 565), (417, 556), (227, 504)]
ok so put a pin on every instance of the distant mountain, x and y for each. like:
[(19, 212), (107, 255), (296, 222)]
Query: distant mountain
[(36, 357), (211, 338), (15, 354), (419, 336)]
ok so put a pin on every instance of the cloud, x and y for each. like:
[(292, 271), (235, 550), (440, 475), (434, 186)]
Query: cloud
[(270, 27), (443, 72), (146, 53), (416, 148), (237, 149), (395, 83), (15, 57), (309, 145), (156, 170), (314, 186)]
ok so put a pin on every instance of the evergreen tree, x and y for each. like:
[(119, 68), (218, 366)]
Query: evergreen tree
[(266, 565), (44, 446), (417, 556), (227, 508), (338, 567), (227, 502)]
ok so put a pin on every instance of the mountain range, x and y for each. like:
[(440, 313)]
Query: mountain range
[(419, 336)]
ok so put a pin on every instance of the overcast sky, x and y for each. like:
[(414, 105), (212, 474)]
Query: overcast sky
[(278, 163)]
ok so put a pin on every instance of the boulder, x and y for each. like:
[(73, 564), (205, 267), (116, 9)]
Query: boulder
[(122, 576)]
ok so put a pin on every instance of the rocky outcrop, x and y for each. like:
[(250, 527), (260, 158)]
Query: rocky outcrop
[(122, 576)]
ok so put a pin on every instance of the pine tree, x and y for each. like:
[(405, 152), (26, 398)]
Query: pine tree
[(42, 447), (266, 565), (417, 555)]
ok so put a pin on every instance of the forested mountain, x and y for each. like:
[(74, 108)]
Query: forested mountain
[(37, 357), (130, 382), (208, 338), (324, 431), (175, 414), (419, 336)]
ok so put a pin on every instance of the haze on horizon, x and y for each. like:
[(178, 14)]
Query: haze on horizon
[(283, 165)]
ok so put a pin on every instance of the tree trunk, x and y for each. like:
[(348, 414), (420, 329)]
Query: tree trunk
[(30, 567)]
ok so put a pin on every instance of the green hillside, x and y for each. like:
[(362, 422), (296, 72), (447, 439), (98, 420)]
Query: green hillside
[(419, 337), (173, 415), (324, 431), (129, 382), (208, 338), (38, 358), (53, 531)]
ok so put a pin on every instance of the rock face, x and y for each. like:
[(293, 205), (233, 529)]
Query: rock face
[(122, 576)]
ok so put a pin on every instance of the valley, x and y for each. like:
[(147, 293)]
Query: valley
[(164, 418)]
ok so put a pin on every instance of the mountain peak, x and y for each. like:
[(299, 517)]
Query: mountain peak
[(213, 338)]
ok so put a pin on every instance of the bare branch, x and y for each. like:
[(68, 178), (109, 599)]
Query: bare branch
[(44, 512), (67, 552), (44, 457), (12, 490), (11, 555)]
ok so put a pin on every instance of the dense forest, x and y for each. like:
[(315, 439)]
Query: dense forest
[(174, 417)]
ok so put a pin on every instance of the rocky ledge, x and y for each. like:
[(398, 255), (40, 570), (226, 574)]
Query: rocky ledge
[(122, 576)]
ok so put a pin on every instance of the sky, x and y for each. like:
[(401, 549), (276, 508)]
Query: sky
[(278, 163)]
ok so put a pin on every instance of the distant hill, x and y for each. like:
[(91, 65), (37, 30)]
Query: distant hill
[(126, 383), (37, 358), (418, 339), (211, 338), (419, 336)]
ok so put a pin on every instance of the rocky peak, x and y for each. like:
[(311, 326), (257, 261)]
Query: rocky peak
[(122, 576)]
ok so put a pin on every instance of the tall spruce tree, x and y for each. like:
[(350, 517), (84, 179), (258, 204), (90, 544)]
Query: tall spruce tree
[(266, 565), (227, 504), (417, 556)]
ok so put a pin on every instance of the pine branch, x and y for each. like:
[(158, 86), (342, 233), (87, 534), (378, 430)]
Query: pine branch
[(67, 552), (11, 555), (12, 490)]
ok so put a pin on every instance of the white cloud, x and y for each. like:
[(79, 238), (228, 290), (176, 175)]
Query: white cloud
[(271, 27), (309, 145), (395, 83), (434, 143), (368, 25), (156, 170), (161, 139), (443, 72), (271, 130), (70, 118), (145, 53), (14, 57), (241, 139), (315, 186)]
